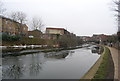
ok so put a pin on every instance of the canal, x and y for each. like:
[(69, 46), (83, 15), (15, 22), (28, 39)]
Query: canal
[(72, 64)]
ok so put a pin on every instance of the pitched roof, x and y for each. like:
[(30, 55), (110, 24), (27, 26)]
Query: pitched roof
[(56, 28), (11, 19), (35, 30)]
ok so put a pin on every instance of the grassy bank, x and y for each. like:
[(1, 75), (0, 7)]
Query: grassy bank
[(102, 69), (90, 74), (106, 68)]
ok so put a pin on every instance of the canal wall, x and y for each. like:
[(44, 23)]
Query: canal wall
[(91, 73)]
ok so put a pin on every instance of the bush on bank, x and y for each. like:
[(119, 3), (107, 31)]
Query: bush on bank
[(69, 41), (63, 41), (15, 40), (6, 37)]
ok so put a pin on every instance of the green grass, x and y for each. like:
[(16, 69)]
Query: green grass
[(103, 68)]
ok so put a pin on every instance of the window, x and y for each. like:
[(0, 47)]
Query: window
[(24, 28), (6, 22), (10, 28), (11, 22), (18, 24)]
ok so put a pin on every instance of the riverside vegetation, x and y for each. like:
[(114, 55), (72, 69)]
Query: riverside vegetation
[(106, 68), (63, 41)]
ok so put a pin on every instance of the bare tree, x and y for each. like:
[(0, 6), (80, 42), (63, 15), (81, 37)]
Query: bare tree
[(117, 3), (37, 23), (118, 6), (2, 9), (118, 16), (18, 16), (14, 16)]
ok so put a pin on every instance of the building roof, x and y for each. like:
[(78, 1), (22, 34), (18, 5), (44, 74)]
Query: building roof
[(8, 19), (12, 20), (56, 28), (35, 31)]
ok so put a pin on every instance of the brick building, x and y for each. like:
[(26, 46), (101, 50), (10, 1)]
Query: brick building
[(50, 36), (35, 33), (100, 37), (55, 33), (60, 31), (12, 27)]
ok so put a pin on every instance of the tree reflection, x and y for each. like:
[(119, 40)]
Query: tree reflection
[(13, 72), (35, 69), (36, 64)]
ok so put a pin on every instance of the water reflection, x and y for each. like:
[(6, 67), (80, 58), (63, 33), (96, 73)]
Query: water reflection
[(41, 65), (57, 55), (36, 64), (35, 69), (31, 66), (13, 70)]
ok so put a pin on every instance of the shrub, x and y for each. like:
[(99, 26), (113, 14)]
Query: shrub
[(6, 37), (69, 41)]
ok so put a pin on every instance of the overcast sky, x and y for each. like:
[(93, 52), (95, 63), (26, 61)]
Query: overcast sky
[(82, 17)]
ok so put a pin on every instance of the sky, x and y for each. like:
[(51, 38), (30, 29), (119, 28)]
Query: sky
[(81, 17)]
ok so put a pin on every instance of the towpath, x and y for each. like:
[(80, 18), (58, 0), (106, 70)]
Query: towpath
[(116, 56)]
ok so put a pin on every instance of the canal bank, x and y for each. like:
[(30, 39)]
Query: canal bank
[(25, 51), (103, 68)]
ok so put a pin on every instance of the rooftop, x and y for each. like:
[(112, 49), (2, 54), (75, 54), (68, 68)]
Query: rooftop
[(10, 19), (56, 28)]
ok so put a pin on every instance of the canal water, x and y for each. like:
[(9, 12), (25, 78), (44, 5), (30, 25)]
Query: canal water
[(72, 64)]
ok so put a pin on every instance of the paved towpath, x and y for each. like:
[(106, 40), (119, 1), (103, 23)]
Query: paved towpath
[(115, 55)]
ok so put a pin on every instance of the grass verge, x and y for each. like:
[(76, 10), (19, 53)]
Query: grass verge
[(105, 68)]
